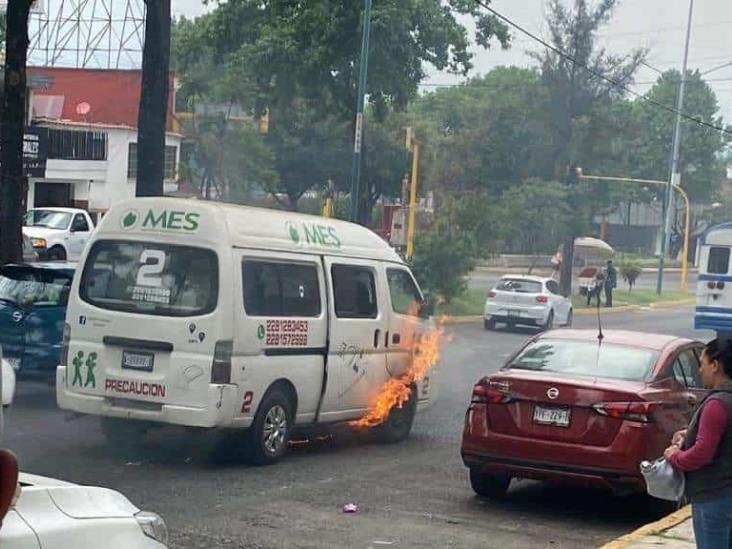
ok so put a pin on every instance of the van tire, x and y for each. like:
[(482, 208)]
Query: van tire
[(57, 253), (124, 436), (489, 486), (398, 425), (269, 436), (489, 324)]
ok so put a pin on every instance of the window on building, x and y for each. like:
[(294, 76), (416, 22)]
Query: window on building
[(171, 162), (76, 145)]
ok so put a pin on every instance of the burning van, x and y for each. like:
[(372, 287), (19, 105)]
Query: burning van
[(219, 316)]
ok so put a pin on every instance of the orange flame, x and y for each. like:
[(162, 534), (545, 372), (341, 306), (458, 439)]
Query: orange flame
[(396, 391)]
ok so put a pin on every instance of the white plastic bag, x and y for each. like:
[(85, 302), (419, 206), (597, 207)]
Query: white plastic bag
[(662, 480)]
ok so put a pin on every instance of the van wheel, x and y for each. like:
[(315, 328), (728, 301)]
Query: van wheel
[(57, 253), (399, 423), (489, 324), (269, 435), (489, 486), (124, 436)]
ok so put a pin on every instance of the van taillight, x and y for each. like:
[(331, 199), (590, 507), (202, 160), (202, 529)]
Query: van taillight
[(65, 345), (221, 367), (633, 411)]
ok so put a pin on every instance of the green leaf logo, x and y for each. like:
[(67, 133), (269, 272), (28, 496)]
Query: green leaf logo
[(294, 235), (260, 331), (129, 219)]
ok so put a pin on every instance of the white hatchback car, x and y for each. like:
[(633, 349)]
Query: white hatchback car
[(528, 300), (52, 514)]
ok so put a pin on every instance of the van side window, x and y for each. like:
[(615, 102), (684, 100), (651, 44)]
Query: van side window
[(280, 289), (354, 289), (405, 297), (718, 260)]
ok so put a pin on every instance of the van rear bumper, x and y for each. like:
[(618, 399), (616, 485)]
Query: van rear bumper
[(218, 411)]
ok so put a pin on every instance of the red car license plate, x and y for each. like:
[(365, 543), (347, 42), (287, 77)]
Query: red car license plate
[(552, 416)]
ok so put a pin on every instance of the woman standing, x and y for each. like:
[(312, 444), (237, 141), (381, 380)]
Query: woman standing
[(704, 451)]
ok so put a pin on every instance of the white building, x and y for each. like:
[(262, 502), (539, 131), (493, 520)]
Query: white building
[(85, 126)]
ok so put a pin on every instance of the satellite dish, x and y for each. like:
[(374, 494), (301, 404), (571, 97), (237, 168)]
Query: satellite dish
[(83, 108)]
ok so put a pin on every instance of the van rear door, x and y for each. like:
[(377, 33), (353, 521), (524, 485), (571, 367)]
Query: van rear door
[(148, 322)]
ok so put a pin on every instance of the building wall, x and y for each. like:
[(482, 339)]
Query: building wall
[(97, 185)]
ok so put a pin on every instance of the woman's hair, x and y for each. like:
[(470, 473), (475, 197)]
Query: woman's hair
[(721, 351)]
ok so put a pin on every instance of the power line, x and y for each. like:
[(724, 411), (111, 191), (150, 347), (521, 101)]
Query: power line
[(597, 74)]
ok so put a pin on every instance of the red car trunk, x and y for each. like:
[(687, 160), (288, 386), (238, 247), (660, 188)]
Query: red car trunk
[(568, 417)]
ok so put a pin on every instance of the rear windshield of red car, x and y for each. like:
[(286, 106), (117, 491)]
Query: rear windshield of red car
[(519, 286), (586, 359)]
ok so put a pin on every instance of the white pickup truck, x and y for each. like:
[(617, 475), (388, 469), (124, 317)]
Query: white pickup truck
[(58, 233)]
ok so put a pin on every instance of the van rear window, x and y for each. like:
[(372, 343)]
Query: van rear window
[(718, 260), (147, 278)]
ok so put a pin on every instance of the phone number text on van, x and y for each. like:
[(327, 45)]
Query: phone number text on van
[(293, 333)]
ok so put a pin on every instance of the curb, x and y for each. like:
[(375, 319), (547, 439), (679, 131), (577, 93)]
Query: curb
[(652, 529), (470, 319)]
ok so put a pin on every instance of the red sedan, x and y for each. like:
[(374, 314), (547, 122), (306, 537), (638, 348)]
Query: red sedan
[(570, 407)]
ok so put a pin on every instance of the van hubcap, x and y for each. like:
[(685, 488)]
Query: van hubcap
[(275, 429)]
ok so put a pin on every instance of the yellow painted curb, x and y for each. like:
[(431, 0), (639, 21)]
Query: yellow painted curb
[(652, 529), (604, 310)]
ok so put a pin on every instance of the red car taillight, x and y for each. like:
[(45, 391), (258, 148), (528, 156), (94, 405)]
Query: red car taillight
[(491, 294), (633, 411), (484, 394), (542, 299), (221, 367)]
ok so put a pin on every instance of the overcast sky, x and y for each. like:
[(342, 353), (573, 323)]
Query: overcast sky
[(656, 24)]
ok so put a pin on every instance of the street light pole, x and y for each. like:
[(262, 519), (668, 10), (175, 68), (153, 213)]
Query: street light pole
[(687, 205), (675, 176), (358, 133)]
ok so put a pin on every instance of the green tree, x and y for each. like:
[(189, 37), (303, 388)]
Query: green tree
[(226, 155), (300, 60), (700, 163), (492, 131), (574, 94), (539, 212), (442, 260)]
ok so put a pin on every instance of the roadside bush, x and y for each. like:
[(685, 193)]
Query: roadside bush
[(630, 269), (441, 262)]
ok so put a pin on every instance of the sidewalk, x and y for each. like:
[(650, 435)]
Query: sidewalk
[(674, 531)]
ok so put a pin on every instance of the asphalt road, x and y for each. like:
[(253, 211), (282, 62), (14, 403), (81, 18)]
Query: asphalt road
[(413, 494), (487, 280)]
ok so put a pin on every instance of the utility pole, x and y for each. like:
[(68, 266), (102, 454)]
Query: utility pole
[(358, 133), (413, 145), (675, 176)]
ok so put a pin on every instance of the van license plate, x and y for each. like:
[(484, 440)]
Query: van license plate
[(138, 361), (552, 416)]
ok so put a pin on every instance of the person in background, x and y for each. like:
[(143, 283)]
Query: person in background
[(596, 289), (611, 281), (703, 451)]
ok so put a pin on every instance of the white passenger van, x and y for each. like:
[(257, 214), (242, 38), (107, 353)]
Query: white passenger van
[(211, 315), (714, 287)]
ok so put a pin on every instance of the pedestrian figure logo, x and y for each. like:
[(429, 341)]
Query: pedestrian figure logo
[(91, 363)]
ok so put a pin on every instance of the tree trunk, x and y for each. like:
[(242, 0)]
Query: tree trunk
[(13, 128), (565, 276), (152, 118)]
